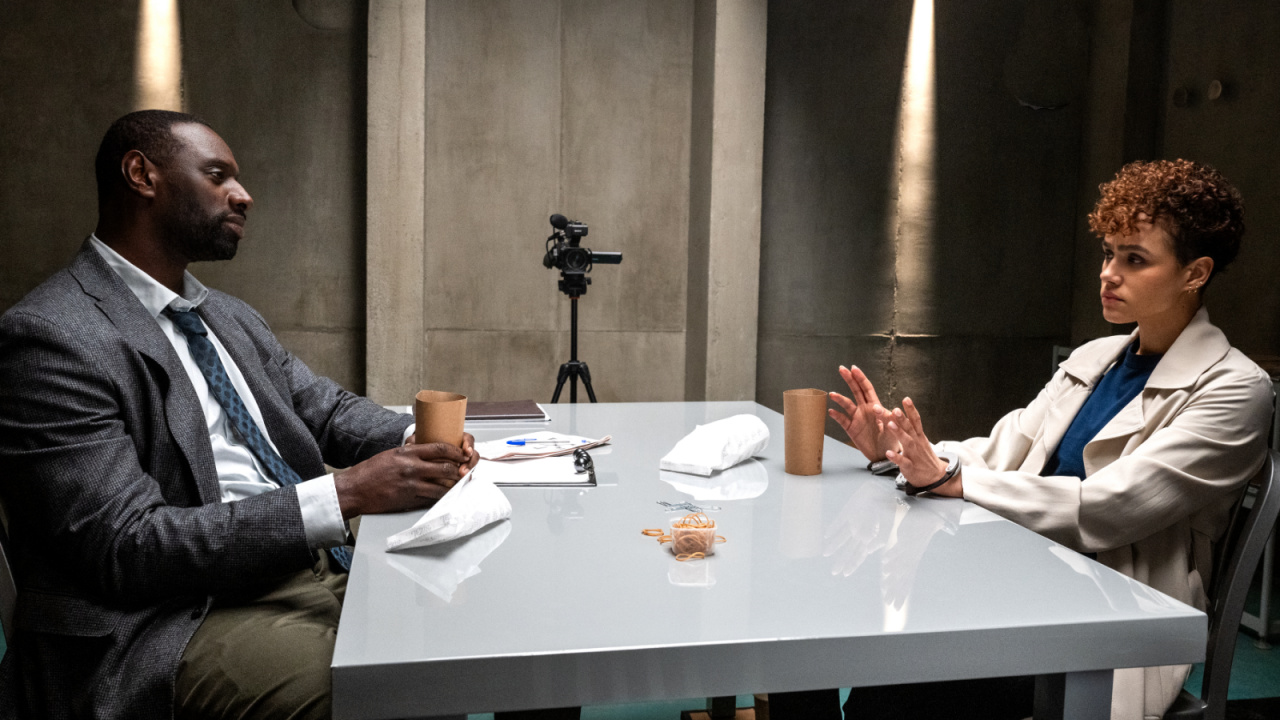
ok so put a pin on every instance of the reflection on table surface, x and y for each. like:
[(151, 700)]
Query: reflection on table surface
[(442, 568)]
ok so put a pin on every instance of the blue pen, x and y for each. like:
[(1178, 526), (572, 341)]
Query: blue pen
[(536, 441)]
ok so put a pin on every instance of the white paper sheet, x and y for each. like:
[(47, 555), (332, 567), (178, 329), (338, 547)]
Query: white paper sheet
[(541, 443), (542, 471)]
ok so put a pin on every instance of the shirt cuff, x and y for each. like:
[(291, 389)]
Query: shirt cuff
[(407, 432), (321, 514)]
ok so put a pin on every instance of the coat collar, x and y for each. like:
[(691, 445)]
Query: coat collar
[(138, 329), (131, 318), (1197, 348), (154, 296)]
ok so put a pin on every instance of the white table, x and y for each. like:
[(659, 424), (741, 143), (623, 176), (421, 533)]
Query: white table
[(836, 580)]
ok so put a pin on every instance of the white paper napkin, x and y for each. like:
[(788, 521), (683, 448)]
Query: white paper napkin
[(471, 504), (718, 445)]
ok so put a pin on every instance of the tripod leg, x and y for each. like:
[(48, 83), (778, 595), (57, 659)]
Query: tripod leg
[(586, 381), (560, 378)]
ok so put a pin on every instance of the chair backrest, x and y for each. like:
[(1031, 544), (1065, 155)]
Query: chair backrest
[(8, 588), (1059, 353), (1237, 559)]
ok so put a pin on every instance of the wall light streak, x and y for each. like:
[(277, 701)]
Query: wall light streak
[(913, 216), (158, 68)]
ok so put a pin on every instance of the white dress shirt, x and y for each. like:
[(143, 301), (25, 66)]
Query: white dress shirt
[(240, 475)]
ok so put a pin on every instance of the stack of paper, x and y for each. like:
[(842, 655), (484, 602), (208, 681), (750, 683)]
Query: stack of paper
[(542, 458), (541, 472), (541, 444)]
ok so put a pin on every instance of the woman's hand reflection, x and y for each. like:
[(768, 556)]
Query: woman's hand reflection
[(917, 525), (899, 530), (856, 532)]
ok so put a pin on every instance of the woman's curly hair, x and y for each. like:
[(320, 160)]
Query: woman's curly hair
[(1193, 203)]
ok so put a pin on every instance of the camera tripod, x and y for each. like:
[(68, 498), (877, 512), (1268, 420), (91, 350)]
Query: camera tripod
[(575, 368), (564, 251)]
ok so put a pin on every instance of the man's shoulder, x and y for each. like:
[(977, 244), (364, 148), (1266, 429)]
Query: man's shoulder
[(59, 300), (229, 303), (71, 293), (234, 307)]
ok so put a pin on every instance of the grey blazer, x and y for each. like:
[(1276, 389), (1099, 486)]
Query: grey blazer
[(120, 540)]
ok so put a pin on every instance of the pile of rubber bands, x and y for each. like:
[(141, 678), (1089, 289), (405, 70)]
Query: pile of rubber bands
[(692, 537)]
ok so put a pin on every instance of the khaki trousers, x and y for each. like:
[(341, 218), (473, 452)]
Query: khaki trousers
[(265, 653)]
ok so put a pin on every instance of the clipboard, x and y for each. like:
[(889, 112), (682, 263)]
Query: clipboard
[(544, 472)]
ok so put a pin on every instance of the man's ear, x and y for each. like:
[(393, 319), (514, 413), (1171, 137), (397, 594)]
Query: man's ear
[(139, 173)]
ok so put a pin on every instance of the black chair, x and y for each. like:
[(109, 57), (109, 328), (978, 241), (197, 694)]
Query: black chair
[(8, 588), (1237, 558)]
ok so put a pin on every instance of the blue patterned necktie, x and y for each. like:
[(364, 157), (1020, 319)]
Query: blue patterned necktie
[(206, 357)]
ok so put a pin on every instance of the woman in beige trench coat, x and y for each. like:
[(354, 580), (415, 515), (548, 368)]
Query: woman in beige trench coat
[(1161, 475)]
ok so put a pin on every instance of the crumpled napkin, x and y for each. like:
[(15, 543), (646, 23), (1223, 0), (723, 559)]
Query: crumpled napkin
[(718, 445), (468, 506)]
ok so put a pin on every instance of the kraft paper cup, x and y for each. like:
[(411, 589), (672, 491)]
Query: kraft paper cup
[(439, 417), (804, 415)]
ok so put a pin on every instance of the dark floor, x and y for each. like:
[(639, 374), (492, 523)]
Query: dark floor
[(1264, 709)]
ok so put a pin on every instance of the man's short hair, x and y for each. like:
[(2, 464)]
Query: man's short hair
[(147, 131), (1194, 203)]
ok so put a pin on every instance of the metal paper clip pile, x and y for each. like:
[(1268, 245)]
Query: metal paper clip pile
[(685, 506)]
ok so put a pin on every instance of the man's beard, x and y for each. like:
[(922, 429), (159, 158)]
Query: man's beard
[(201, 237)]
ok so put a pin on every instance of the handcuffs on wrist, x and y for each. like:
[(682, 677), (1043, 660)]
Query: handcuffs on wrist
[(888, 467)]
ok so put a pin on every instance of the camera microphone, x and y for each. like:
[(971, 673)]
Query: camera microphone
[(559, 221)]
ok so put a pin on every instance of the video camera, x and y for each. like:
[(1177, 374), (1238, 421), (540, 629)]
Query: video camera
[(573, 261)]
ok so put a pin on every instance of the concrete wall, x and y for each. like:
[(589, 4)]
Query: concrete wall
[(974, 341), (586, 108), (724, 199), (66, 71), (1143, 55), (1235, 44), (532, 108), (582, 108), (286, 96)]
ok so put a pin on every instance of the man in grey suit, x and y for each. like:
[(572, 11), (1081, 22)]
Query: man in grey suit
[(178, 543)]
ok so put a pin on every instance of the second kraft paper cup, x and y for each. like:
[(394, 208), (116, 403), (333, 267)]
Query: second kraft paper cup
[(804, 416), (439, 417)]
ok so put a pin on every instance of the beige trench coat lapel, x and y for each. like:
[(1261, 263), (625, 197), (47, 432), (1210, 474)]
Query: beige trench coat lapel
[(1198, 347)]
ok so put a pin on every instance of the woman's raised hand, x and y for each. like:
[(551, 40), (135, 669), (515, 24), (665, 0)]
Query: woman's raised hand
[(863, 417), (915, 457)]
